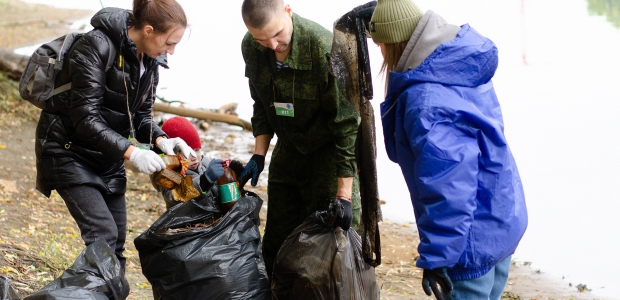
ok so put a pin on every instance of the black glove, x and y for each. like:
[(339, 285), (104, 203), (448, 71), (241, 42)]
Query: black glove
[(344, 213), (254, 167), (432, 278)]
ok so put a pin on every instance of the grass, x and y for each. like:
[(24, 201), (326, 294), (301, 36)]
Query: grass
[(8, 88), (12, 107), (58, 253)]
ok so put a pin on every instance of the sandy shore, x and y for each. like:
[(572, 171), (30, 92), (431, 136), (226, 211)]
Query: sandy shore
[(32, 223), (23, 24)]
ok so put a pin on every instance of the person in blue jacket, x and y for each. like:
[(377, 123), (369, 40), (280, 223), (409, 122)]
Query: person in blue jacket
[(443, 125)]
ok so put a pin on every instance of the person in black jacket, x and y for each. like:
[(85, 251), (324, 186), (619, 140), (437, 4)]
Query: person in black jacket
[(84, 134)]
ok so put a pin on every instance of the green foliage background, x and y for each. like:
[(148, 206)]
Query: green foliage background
[(608, 8)]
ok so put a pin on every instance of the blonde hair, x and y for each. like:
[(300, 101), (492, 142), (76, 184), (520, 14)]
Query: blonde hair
[(393, 52)]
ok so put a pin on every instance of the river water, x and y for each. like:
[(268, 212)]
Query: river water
[(558, 86)]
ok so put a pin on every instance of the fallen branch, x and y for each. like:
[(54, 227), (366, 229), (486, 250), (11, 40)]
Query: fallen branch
[(12, 64), (203, 115)]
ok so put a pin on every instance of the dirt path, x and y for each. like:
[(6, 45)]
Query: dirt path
[(39, 239)]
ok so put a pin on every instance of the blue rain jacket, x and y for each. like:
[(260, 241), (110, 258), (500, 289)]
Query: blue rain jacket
[(443, 125)]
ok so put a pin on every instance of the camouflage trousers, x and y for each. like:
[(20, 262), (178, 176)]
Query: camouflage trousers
[(299, 184)]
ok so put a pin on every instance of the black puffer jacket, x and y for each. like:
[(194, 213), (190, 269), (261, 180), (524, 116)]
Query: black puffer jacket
[(82, 133)]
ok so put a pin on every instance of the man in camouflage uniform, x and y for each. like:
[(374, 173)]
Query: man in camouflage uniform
[(297, 98)]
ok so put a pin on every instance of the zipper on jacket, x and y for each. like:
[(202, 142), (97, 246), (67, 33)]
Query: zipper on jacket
[(138, 90), (136, 98), (134, 107), (47, 133)]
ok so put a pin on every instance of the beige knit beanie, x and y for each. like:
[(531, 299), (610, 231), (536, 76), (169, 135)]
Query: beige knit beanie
[(394, 21)]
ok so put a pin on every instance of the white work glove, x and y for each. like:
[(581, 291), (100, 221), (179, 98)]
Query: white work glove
[(167, 146), (146, 161)]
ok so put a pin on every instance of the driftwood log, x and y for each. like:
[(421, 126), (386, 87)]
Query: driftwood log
[(11, 64), (203, 115), (350, 64)]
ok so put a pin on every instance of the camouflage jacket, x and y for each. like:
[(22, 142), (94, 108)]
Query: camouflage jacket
[(322, 114)]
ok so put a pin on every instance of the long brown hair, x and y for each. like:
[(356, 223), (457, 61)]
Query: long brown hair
[(161, 14), (393, 52)]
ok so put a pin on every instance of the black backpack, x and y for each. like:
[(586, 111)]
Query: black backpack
[(38, 81)]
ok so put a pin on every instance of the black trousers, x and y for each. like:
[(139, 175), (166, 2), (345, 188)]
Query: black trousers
[(99, 216)]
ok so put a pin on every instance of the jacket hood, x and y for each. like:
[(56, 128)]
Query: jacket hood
[(431, 31), (114, 22), (469, 59)]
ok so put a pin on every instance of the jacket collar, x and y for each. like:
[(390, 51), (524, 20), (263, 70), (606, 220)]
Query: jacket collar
[(300, 57)]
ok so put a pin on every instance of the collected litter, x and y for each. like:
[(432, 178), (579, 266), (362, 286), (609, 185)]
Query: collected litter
[(210, 222), (228, 188), (173, 178)]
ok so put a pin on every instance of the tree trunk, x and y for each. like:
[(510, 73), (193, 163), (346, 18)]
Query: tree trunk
[(203, 115), (12, 64)]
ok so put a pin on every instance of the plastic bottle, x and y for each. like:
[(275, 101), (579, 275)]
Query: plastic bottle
[(228, 188)]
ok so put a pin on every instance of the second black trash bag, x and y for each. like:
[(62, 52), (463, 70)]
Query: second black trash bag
[(96, 274), (218, 260), (7, 291), (318, 262)]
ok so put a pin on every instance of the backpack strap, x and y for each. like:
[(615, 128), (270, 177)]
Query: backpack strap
[(111, 56)]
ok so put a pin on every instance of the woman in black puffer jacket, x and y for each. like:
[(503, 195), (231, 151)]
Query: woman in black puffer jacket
[(83, 134)]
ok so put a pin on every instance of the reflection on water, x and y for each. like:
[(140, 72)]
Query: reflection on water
[(608, 8)]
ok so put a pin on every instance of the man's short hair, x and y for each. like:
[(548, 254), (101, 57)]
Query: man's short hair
[(257, 13)]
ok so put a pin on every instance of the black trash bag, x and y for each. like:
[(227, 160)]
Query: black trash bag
[(7, 291), (219, 262), (71, 293), (319, 262), (95, 274)]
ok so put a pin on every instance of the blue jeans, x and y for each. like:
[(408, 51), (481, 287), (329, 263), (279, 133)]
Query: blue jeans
[(490, 286)]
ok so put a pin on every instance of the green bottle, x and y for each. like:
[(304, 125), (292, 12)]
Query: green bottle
[(228, 188)]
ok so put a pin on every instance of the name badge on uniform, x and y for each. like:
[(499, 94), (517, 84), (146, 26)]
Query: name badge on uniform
[(284, 109)]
